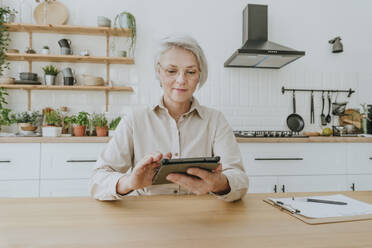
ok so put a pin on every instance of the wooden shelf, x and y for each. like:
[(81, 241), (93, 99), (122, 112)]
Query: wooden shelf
[(106, 89), (66, 29), (64, 87), (68, 58)]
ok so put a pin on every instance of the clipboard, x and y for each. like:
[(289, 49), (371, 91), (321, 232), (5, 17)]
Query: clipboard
[(316, 221), (180, 165)]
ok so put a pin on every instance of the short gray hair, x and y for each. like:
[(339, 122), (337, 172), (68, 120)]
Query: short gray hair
[(188, 43)]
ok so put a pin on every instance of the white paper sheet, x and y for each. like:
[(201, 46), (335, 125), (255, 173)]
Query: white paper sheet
[(323, 210)]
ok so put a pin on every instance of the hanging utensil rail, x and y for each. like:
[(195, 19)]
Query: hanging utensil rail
[(349, 91)]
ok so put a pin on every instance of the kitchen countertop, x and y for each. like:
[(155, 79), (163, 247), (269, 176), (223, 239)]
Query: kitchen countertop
[(89, 139), (171, 221)]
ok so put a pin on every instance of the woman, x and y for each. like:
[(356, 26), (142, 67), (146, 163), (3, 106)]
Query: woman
[(177, 126)]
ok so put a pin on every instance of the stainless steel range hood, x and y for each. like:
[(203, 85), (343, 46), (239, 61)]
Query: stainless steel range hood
[(257, 51)]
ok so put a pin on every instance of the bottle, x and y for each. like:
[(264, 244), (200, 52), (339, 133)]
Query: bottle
[(364, 124)]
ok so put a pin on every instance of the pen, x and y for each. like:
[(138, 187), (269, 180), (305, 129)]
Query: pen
[(326, 201)]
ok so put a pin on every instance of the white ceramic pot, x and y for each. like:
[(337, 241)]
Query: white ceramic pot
[(49, 79), (44, 51), (111, 133), (51, 131)]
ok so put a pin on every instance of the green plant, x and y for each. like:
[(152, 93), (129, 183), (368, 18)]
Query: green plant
[(131, 20), (4, 112), (5, 12), (45, 47), (114, 123), (33, 118), (99, 120), (50, 70), (81, 119), (53, 118), (66, 120)]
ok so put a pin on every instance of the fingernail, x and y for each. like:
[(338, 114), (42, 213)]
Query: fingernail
[(190, 171)]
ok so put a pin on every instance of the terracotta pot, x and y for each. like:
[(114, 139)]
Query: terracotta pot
[(102, 131), (79, 130)]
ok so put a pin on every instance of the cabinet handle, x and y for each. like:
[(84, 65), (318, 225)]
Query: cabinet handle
[(276, 188), (283, 188), (279, 159), (5, 161), (353, 186), (81, 161)]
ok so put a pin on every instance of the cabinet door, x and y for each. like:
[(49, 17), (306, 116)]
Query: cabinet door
[(19, 188), (19, 161), (258, 184), (359, 182), (359, 158), (64, 188), (312, 183), (267, 159), (69, 160)]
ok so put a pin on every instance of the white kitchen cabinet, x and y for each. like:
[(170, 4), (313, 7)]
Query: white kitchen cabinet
[(291, 167), (19, 188), (359, 158), (274, 184), (69, 161), (19, 161), (359, 182), (64, 188)]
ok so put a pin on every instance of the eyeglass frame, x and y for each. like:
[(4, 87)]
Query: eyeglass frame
[(185, 75)]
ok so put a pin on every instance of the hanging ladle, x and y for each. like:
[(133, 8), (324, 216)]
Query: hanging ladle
[(328, 117)]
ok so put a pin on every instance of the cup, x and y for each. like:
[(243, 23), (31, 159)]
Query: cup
[(67, 72), (66, 51), (68, 80), (65, 43)]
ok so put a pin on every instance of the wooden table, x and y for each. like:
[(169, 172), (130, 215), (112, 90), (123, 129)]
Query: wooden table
[(170, 221)]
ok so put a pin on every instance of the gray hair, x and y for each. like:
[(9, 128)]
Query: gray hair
[(188, 43)]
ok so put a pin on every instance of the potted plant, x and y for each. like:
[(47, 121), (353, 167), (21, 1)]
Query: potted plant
[(50, 74), (113, 124), (45, 50), (5, 16), (53, 122), (127, 20), (66, 123), (4, 112), (27, 121), (79, 123), (99, 121)]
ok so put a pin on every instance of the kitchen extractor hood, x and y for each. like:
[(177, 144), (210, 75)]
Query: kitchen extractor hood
[(257, 51)]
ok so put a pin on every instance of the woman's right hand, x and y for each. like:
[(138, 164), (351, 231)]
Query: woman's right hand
[(142, 173)]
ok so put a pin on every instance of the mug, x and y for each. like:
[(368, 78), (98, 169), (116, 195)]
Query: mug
[(68, 80), (68, 72), (65, 43)]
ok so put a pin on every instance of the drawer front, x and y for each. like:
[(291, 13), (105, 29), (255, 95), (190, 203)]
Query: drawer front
[(260, 184), (19, 161), (294, 159), (19, 188), (359, 182), (359, 158), (64, 188), (68, 161), (312, 183)]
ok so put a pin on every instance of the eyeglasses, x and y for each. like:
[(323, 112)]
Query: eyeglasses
[(174, 72)]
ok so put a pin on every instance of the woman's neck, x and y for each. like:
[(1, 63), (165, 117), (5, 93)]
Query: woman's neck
[(176, 109)]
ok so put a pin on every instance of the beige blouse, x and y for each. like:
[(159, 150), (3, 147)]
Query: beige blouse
[(200, 132)]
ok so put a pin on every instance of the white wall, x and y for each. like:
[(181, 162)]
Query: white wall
[(250, 98)]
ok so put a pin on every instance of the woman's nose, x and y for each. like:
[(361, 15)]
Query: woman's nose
[(181, 77)]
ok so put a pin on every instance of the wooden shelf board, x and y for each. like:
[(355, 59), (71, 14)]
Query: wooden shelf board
[(67, 29), (63, 87), (68, 58)]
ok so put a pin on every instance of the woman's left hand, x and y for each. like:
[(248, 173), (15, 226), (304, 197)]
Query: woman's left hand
[(214, 181)]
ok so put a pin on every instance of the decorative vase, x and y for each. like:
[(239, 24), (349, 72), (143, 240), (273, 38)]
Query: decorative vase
[(79, 130), (50, 79), (123, 20), (102, 131)]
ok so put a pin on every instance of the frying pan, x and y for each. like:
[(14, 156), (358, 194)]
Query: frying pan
[(295, 121)]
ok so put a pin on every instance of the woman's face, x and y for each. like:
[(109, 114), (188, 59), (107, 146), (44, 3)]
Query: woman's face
[(178, 71)]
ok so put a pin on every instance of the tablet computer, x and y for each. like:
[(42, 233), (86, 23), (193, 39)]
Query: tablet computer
[(180, 165)]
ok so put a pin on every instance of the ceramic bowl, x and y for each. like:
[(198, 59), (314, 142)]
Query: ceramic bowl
[(92, 80), (28, 76)]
